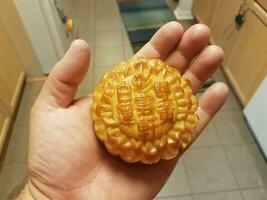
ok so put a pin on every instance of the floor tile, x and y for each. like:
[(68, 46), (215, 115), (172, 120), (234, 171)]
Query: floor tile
[(219, 75), (84, 9), (106, 8), (108, 55), (125, 37), (82, 3), (16, 150), (88, 36), (92, 57), (106, 23), (260, 162), (32, 89), (231, 128), (255, 194), (85, 24), (207, 138), (23, 113), (177, 184), (188, 197), (99, 72), (232, 102), (29, 95), (87, 85), (171, 4), (85, 13), (109, 38), (82, 93), (187, 23), (244, 166), (11, 176), (231, 195), (257, 154), (208, 170), (128, 51)]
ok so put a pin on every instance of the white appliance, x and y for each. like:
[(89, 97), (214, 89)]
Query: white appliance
[(256, 114), (45, 29), (183, 10)]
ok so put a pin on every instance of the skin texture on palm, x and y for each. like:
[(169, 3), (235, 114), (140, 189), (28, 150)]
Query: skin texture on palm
[(66, 161)]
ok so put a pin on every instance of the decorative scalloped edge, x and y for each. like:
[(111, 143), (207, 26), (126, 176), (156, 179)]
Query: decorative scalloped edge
[(144, 111)]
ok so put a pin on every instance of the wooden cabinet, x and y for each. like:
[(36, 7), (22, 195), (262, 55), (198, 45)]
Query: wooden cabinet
[(222, 25), (11, 80), (262, 3), (12, 23), (246, 66), (245, 47), (219, 15), (11, 74), (203, 10)]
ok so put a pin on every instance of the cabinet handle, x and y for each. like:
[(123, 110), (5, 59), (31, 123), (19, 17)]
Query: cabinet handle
[(240, 17)]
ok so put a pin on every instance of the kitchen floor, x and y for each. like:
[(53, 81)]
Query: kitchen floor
[(225, 163)]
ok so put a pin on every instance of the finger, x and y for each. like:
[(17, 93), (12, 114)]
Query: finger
[(204, 66), (64, 79), (163, 42), (192, 42), (209, 104)]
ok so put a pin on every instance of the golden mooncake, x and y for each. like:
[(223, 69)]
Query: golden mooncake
[(143, 110)]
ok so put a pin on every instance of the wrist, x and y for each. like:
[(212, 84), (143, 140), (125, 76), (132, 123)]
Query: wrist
[(23, 195), (35, 193)]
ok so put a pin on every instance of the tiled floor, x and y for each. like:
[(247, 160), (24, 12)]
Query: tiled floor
[(225, 162)]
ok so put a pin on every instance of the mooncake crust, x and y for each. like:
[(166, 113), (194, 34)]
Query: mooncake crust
[(143, 110)]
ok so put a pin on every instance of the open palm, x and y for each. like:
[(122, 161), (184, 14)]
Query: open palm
[(65, 159)]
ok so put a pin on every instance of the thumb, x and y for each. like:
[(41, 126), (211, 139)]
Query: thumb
[(63, 81)]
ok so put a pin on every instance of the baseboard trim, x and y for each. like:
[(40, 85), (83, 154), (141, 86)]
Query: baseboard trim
[(18, 90), (4, 132), (183, 14), (36, 79)]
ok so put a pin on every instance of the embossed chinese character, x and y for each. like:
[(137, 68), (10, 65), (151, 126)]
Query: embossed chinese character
[(164, 108), (125, 107)]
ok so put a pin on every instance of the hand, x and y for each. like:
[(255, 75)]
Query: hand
[(66, 161)]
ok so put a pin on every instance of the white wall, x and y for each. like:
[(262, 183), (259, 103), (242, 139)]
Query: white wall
[(45, 30), (36, 27)]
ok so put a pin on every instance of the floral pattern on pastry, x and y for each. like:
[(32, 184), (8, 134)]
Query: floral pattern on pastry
[(144, 111)]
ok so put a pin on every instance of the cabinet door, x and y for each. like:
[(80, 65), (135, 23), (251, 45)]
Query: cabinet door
[(223, 28), (10, 71), (247, 64), (262, 3), (204, 10), (11, 20)]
